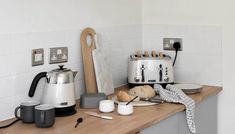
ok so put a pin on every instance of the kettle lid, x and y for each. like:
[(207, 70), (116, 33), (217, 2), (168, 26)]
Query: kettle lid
[(61, 69), (60, 75)]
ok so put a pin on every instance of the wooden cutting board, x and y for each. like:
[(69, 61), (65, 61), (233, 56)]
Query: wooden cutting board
[(90, 80)]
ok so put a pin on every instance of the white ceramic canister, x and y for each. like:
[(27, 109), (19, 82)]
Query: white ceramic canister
[(106, 106), (124, 109)]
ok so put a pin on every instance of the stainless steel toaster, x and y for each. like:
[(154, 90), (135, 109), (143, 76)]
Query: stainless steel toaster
[(150, 69)]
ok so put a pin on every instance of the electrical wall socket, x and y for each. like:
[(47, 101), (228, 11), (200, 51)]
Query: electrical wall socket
[(168, 43), (58, 55), (37, 57)]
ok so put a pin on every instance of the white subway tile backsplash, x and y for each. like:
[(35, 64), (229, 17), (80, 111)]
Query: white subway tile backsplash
[(119, 78), (201, 58), (119, 63), (5, 43), (196, 31), (16, 72), (155, 31), (193, 46), (177, 31), (21, 63), (7, 108), (21, 83), (120, 32), (6, 87), (131, 45), (154, 43), (79, 85), (6, 65), (20, 42)]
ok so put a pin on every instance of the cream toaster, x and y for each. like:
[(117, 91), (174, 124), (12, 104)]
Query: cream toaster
[(150, 69)]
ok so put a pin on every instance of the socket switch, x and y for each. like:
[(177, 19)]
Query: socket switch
[(37, 57), (58, 55), (168, 43)]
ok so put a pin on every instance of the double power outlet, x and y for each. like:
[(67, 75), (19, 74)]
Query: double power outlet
[(169, 42), (56, 55)]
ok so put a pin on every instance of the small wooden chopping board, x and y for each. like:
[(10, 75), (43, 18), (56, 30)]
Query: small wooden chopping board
[(89, 71)]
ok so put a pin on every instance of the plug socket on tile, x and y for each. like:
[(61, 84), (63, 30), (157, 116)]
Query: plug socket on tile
[(168, 43), (58, 55), (37, 57)]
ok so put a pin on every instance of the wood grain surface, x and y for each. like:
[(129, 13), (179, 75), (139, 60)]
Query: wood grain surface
[(89, 71), (142, 118)]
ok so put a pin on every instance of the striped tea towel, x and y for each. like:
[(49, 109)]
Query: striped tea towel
[(176, 95)]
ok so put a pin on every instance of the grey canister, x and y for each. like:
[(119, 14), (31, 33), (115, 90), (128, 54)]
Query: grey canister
[(91, 100), (44, 115)]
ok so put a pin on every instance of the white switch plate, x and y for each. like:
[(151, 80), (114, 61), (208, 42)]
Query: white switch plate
[(37, 57)]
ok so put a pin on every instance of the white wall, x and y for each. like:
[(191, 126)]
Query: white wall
[(204, 12), (192, 63), (49, 15), (28, 24)]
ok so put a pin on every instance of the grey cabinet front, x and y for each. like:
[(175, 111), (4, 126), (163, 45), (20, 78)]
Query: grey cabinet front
[(205, 119)]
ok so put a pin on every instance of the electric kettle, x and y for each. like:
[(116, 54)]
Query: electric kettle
[(59, 90)]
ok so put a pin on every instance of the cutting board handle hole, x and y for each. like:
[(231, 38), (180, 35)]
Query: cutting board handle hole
[(89, 40)]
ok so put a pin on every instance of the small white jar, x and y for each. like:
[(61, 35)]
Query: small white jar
[(124, 109), (106, 106)]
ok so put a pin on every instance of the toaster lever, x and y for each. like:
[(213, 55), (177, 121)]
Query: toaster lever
[(160, 72), (142, 73)]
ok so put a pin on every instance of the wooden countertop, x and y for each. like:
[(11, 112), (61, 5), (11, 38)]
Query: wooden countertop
[(143, 117)]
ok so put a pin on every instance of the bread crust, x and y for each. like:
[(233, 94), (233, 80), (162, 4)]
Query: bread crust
[(145, 91)]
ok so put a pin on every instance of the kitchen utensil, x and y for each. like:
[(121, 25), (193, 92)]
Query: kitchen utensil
[(44, 115), (103, 72), (106, 106), (155, 99), (89, 71), (98, 115), (59, 90), (79, 120), (189, 88), (26, 111), (91, 100), (136, 103), (124, 109), (8, 125), (131, 100), (150, 70)]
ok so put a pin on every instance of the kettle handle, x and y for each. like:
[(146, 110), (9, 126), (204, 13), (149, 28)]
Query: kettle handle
[(35, 83)]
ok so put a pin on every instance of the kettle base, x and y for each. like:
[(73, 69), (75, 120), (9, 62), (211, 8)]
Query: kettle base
[(66, 111)]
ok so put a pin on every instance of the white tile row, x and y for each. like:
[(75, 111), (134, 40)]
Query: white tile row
[(201, 58), (16, 73), (182, 31)]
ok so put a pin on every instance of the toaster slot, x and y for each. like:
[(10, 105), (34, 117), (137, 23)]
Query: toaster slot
[(160, 72), (152, 81)]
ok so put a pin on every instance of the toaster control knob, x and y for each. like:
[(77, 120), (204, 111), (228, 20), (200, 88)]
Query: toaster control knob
[(137, 80), (166, 78)]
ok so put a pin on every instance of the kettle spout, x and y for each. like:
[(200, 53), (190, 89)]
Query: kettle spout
[(74, 73)]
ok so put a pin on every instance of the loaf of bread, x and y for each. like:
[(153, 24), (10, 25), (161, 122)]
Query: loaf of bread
[(125, 97), (142, 91)]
